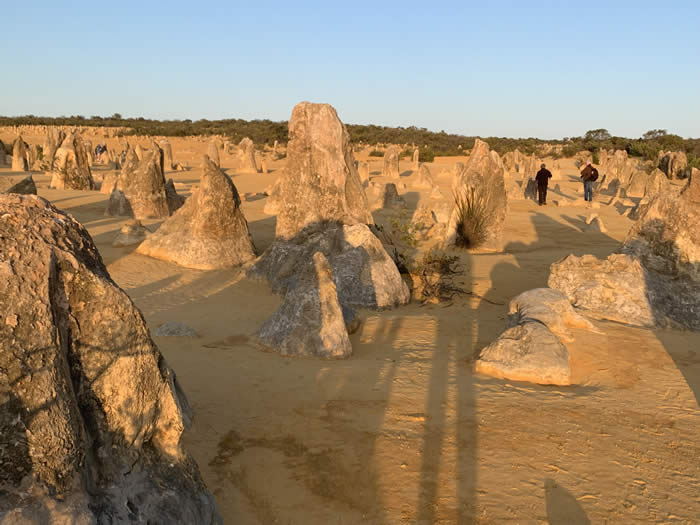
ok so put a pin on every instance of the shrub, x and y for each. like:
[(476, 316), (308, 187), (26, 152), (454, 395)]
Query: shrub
[(428, 155), (433, 277), (473, 217), (595, 157), (376, 153)]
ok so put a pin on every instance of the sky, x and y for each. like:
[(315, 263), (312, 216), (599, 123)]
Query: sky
[(488, 68)]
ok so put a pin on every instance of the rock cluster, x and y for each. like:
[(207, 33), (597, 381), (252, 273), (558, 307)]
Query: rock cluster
[(140, 190), (91, 412), (673, 163), (71, 165), (325, 258), (531, 348), (655, 280)]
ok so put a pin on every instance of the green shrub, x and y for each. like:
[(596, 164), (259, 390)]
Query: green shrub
[(473, 217), (428, 155), (376, 153)]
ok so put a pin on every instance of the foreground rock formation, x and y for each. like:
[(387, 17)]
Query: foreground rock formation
[(673, 163), (323, 212), (92, 416), (310, 320), (209, 231), (655, 280), (531, 348), (71, 165), (482, 182)]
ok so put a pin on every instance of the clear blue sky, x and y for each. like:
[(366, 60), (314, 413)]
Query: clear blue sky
[(545, 69)]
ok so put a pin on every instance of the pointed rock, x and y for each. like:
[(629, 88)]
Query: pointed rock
[(320, 182), (391, 162), (310, 320), (246, 150), (72, 165), (208, 232)]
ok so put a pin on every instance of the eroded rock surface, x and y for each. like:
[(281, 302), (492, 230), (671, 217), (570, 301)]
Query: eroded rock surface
[(320, 182), (209, 231), (92, 410), (71, 165), (310, 320)]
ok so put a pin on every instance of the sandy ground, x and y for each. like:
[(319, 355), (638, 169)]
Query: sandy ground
[(404, 431)]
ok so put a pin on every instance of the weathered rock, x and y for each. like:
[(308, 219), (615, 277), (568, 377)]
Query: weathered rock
[(213, 153), (481, 179), (247, 162), (551, 308), (530, 192), (320, 183), (655, 183), (390, 167), (143, 185), (273, 204), (673, 163), (620, 289), (208, 232), (20, 185), (416, 158), (617, 168), (19, 155), (109, 182), (168, 163), (3, 154), (175, 201), (391, 198), (131, 233), (118, 205), (71, 168), (138, 150), (363, 171), (175, 329), (310, 320), (92, 411), (666, 237), (637, 185), (54, 138), (595, 223), (526, 352), (364, 273), (423, 180)]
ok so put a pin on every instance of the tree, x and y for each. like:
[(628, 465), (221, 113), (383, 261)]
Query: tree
[(117, 116), (597, 134), (654, 134)]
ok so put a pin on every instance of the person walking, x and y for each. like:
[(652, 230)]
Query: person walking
[(589, 175), (542, 179)]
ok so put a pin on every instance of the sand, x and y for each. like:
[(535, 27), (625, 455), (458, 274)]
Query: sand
[(404, 431)]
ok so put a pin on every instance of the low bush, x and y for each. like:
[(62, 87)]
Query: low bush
[(473, 217), (376, 153)]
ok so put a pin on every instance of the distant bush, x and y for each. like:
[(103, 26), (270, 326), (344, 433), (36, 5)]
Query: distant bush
[(473, 217), (376, 153), (595, 157), (428, 155)]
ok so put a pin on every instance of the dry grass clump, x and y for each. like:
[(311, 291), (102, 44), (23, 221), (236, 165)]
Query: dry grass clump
[(474, 213)]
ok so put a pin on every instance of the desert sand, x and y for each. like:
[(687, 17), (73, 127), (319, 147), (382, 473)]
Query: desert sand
[(404, 431)]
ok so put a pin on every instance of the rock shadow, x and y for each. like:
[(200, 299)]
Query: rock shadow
[(562, 507)]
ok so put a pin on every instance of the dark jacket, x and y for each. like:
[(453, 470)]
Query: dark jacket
[(543, 177), (589, 173)]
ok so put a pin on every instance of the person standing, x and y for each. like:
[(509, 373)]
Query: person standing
[(542, 179), (589, 175)]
